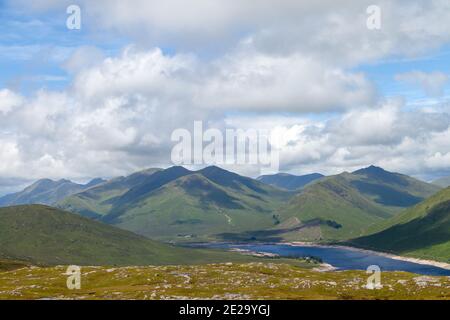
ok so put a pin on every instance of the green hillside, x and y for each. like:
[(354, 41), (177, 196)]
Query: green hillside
[(97, 201), (39, 234), (422, 231), (46, 191), (178, 204), (349, 204), (289, 181), (392, 190)]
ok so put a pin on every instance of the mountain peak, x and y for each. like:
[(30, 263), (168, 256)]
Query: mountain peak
[(41, 181), (371, 170), (60, 181), (213, 168), (94, 182), (217, 172)]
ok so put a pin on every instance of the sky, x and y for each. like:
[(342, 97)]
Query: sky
[(103, 101)]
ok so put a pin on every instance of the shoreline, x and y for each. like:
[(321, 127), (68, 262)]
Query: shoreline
[(433, 263)]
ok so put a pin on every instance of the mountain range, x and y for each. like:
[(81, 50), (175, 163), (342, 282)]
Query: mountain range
[(289, 181), (46, 191), (177, 204), (344, 206)]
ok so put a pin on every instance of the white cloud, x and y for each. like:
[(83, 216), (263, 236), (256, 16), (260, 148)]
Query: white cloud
[(432, 83), (391, 136), (249, 80), (8, 100), (238, 64), (335, 31), (243, 80)]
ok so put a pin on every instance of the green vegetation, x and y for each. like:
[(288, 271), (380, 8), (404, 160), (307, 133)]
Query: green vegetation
[(422, 231), (349, 205), (182, 205), (96, 202), (37, 234), (46, 191), (6, 265), (217, 281), (176, 204), (289, 181)]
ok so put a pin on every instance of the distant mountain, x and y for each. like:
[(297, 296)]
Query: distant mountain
[(177, 203), (442, 182), (393, 190), (46, 191), (421, 231), (39, 234), (350, 204), (289, 181), (94, 182)]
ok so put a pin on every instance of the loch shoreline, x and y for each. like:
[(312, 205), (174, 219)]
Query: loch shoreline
[(433, 263)]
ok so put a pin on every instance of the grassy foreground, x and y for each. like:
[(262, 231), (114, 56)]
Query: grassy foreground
[(217, 281)]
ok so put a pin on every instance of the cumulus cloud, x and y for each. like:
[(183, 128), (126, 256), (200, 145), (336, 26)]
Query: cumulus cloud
[(249, 80), (8, 100), (333, 30), (288, 67), (243, 80), (388, 135)]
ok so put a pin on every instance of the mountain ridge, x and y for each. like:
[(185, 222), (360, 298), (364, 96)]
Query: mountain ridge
[(346, 205), (422, 231), (290, 181), (47, 191), (167, 202)]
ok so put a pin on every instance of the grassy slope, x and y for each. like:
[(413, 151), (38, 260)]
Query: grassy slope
[(393, 191), (6, 265), (218, 281), (98, 201), (422, 231), (357, 202), (332, 199), (102, 200), (195, 206), (43, 235), (176, 204), (288, 181)]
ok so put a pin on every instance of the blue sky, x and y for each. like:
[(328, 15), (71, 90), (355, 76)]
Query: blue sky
[(104, 100), (35, 46), (383, 73)]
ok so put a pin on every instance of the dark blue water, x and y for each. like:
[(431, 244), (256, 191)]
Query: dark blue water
[(340, 258)]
